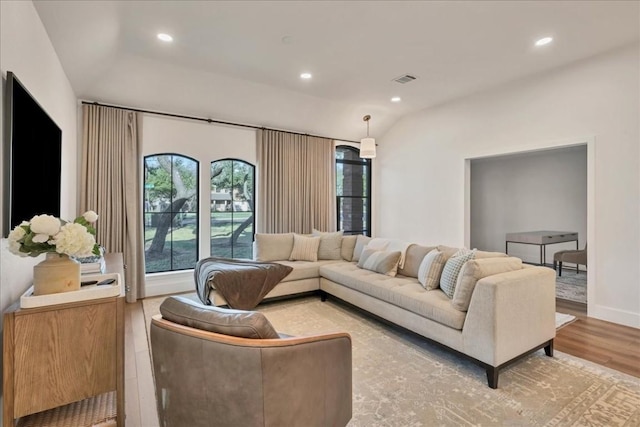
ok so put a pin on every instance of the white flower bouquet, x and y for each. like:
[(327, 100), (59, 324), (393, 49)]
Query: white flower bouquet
[(46, 233)]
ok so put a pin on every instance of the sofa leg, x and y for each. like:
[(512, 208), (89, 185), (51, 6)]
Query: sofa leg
[(492, 376), (323, 296), (548, 349)]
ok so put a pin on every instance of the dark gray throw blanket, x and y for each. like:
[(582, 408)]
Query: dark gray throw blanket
[(243, 283)]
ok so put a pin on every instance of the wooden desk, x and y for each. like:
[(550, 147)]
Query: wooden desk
[(58, 354), (540, 238)]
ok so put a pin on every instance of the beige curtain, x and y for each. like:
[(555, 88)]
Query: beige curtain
[(110, 185), (296, 183)]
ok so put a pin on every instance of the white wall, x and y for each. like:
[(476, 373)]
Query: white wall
[(204, 142), (421, 164), (25, 49), (541, 190)]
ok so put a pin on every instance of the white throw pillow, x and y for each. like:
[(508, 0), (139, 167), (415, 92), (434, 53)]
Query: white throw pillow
[(361, 242), (430, 269), (377, 244), (305, 248), (391, 245)]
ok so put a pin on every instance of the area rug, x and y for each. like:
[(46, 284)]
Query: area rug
[(563, 319), (572, 286), (402, 380)]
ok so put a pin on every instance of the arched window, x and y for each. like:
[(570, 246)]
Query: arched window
[(353, 191), (170, 212), (232, 208)]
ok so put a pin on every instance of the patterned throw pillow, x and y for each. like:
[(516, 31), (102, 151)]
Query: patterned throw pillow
[(430, 269), (330, 244), (380, 261), (305, 248), (452, 269)]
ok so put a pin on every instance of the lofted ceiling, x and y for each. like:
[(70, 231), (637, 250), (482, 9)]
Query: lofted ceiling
[(240, 61)]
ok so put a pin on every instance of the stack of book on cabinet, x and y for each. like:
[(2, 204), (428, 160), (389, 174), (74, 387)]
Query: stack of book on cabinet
[(92, 264), (94, 267)]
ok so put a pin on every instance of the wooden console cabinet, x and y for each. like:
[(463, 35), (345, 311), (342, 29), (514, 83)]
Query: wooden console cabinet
[(58, 354)]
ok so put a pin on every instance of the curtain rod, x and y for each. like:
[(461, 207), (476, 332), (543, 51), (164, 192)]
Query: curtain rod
[(181, 116)]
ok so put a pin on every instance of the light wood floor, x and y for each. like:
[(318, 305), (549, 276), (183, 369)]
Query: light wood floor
[(605, 343), (139, 392)]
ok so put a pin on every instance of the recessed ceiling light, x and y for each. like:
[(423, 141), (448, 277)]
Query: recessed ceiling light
[(543, 41), (305, 76), (165, 37), (396, 99)]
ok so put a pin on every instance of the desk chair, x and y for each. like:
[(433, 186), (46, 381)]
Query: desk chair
[(575, 256)]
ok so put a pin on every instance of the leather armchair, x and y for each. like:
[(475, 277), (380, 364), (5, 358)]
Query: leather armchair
[(205, 378)]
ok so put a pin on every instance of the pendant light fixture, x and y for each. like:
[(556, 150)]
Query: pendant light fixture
[(367, 145)]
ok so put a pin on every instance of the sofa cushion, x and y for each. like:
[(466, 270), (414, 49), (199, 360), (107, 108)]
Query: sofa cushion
[(383, 262), (330, 244), (452, 268), (404, 292), (477, 269), (431, 269), (304, 269), (361, 242), (486, 254), (305, 248), (348, 245), (448, 251), (273, 246), (413, 258), (376, 244), (238, 323)]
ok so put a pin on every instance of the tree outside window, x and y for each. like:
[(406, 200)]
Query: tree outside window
[(232, 208), (170, 212)]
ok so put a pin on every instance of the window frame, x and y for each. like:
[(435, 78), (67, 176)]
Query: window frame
[(195, 210), (368, 164), (253, 208)]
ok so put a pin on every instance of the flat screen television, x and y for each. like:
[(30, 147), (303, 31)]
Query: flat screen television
[(32, 158)]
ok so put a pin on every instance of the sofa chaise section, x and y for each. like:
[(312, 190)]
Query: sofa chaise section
[(510, 314)]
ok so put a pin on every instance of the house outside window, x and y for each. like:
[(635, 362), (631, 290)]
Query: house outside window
[(232, 208), (353, 191), (170, 212)]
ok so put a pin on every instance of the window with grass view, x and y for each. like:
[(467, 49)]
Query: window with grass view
[(353, 191), (232, 212), (170, 212)]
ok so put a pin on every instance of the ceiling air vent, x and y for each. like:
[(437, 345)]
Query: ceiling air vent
[(404, 79)]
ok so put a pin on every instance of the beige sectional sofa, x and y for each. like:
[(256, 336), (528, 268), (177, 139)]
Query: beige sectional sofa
[(498, 310)]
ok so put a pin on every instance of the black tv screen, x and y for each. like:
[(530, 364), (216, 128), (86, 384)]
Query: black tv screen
[(32, 157)]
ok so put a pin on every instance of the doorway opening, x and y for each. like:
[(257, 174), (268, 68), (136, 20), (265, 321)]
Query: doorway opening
[(550, 188)]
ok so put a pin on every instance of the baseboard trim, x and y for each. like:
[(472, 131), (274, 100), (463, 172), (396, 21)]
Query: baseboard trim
[(622, 317), (169, 283)]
